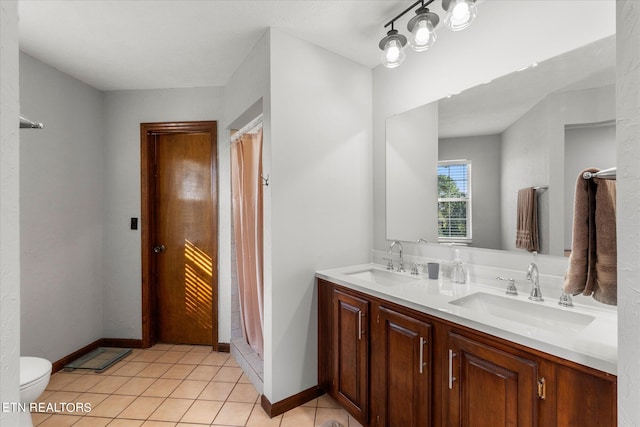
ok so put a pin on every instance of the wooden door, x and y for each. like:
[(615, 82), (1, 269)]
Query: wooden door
[(180, 234), (351, 354), (404, 370), (489, 387)]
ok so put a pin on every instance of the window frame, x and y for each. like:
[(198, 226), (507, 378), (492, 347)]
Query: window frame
[(469, 218)]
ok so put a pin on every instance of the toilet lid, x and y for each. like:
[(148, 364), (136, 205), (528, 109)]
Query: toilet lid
[(32, 369)]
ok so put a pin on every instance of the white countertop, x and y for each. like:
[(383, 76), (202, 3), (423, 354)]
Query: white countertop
[(595, 345)]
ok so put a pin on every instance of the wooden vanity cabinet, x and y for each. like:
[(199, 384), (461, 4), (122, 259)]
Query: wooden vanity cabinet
[(488, 387), (350, 380), (371, 351), (401, 370)]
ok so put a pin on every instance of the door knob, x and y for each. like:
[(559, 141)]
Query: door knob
[(159, 249)]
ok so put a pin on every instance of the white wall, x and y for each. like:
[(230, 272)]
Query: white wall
[(484, 153), (320, 196), (628, 189), (482, 52), (61, 170), (411, 165), (246, 95), (9, 211), (123, 113)]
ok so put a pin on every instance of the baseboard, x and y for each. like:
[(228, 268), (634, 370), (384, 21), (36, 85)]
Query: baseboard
[(102, 342), (275, 409), (224, 347)]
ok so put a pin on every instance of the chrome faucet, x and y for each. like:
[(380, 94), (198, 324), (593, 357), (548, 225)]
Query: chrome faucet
[(401, 263), (533, 277)]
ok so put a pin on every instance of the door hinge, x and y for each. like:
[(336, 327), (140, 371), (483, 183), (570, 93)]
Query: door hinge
[(378, 318), (542, 389)]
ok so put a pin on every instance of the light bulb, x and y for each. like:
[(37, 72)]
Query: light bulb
[(392, 49), (460, 14), (393, 54), (423, 35)]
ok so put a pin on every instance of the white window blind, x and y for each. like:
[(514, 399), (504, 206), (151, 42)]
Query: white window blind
[(454, 200)]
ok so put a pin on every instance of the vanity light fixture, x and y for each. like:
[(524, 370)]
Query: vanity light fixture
[(393, 48), (460, 14)]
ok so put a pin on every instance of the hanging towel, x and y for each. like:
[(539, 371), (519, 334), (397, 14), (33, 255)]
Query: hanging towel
[(593, 260), (527, 220)]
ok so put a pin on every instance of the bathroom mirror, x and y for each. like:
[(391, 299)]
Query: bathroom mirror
[(536, 127)]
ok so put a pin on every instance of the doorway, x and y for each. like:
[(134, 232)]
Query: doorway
[(179, 233)]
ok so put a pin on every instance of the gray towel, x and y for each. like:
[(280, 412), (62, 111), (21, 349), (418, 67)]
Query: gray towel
[(593, 261), (527, 220)]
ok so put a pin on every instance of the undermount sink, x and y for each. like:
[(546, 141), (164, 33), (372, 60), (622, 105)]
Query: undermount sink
[(529, 313), (382, 277)]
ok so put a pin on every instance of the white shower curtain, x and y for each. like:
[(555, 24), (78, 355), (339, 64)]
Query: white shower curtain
[(246, 183)]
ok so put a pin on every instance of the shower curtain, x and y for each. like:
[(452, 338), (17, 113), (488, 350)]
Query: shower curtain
[(246, 183)]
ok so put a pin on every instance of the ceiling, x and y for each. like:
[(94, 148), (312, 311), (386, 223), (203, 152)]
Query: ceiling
[(490, 108), (145, 44)]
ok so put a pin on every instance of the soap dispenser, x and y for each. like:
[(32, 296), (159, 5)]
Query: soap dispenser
[(458, 274)]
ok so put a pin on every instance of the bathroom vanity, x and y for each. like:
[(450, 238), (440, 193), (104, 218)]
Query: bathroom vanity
[(399, 350)]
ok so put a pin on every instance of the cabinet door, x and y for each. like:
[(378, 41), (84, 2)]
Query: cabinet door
[(405, 370), (489, 387), (351, 354)]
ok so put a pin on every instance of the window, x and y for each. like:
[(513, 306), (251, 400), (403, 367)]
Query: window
[(454, 200)]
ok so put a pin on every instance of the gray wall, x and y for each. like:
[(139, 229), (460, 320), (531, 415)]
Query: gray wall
[(61, 212), (9, 211), (484, 154), (123, 113), (589, 146)]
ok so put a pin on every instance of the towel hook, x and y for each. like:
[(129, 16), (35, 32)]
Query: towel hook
[(265, 181)]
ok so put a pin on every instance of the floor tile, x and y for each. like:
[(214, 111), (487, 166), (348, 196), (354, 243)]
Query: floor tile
[(93, 399), (234, 414), (84, 383), (217, 359), (331, 414), (216, 390), (39, 417), (228, 374), (154, 370), (162, 346), (202, 412), (135, 386), (325, 401), (162, 387), (189, 389), (245, 393), (170, 357), (192, 358), (302, 416), (178, 372), (259, 418), (92, 422), (57, 420), (62, 396), (150, 423), (141, 408), (130, 369), (59, 380), (109, 384), (111, 406), (202, 349), (147, 356), (203, 373), (171, 410), (125, 423)]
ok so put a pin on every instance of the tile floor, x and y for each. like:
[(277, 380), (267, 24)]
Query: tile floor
[(173, 385)]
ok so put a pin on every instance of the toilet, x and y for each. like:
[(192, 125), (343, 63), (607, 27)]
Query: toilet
[(34, 377)]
